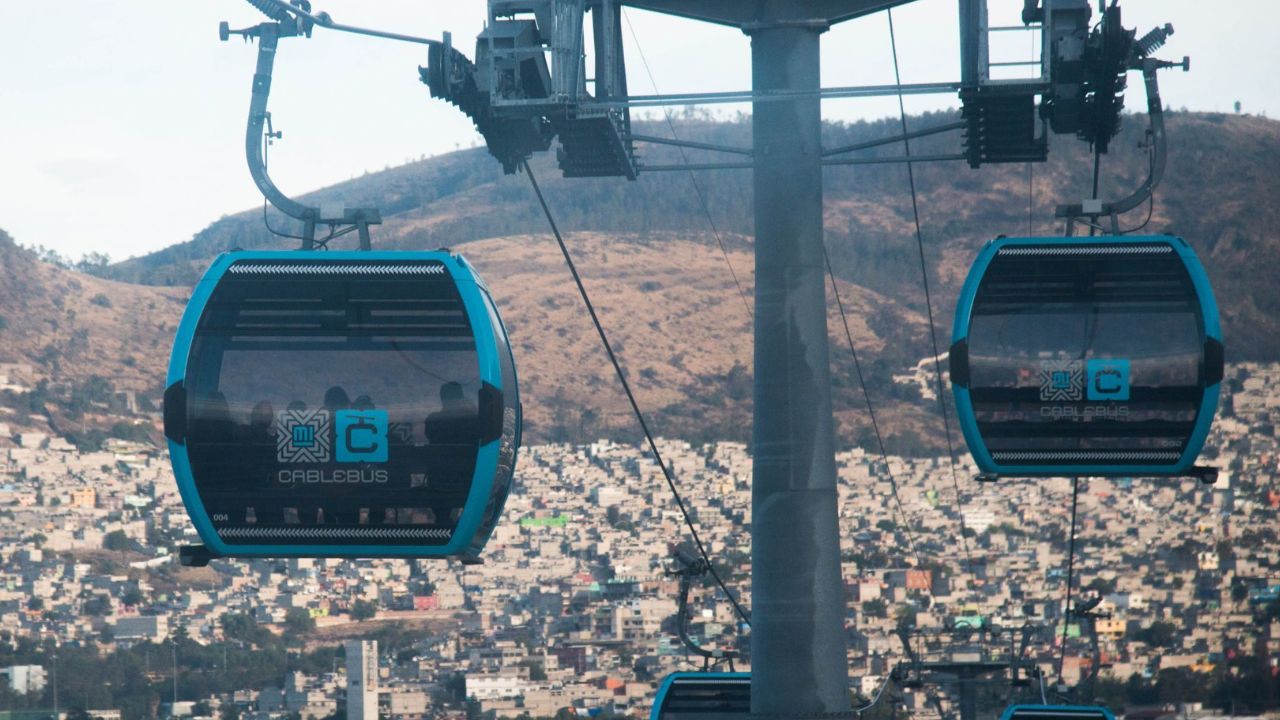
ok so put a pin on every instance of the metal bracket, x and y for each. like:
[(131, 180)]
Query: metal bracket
[(1092, 212)]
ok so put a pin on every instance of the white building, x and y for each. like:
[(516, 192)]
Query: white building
[(362, 679), (24, 679)]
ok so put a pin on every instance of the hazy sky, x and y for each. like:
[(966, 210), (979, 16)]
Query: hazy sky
[(122, 124)]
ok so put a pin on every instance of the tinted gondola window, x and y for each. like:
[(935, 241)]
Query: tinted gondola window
[(1085, 354), (509, 440), (704, 696), (327, 410)]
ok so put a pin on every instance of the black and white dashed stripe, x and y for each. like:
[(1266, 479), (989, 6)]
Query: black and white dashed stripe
[(1086, 456), (1026, 251), (321, 533), (344, 269)]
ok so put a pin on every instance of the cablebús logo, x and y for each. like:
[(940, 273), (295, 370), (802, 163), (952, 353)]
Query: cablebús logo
[(307, 436), (1108, 379), (362, 435), (1061, 380), (302, 436), (1104, 380)]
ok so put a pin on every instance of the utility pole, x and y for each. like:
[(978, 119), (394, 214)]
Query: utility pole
[(55, 681)]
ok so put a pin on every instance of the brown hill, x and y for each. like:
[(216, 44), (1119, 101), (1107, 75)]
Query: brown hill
[(664, 291), (1221, 192), (682, 331), (70, 326), (672, 311)]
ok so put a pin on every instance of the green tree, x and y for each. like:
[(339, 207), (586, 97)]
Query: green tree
[(116, 540), (1158, 634), (875, 608), (363, 610), (298, 621)]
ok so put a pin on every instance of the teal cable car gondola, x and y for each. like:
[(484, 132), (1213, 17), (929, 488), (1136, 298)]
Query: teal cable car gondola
[(1057, 712), (342, 404), (703, 696), (1086, 356)]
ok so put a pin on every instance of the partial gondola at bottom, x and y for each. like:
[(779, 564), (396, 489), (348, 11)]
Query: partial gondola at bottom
[(1086, 356), (703, 696), (1057, 712), (342, 404)]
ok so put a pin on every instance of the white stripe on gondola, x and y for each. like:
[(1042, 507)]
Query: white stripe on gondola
[(1086, 455), (1087, 250), (324, 269), (320, 533)]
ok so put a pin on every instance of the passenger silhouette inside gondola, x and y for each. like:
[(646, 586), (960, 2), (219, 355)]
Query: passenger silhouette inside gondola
[(363, 402), (261, 420), (455, 422), (335, 398)]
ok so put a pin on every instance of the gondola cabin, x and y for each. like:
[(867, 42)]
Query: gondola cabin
[(703, 696), (342, 404), (1057, 712), (1086, 356)]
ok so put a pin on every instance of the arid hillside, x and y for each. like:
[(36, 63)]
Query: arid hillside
[(663, 287), (1221, 191), (672, 311)]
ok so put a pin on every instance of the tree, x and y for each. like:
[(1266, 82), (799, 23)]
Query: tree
[(874, 608), (1158, 634), (116, 540), (363, 610), (299, 621)]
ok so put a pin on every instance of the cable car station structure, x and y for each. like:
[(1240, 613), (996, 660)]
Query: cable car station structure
[(527, 85)]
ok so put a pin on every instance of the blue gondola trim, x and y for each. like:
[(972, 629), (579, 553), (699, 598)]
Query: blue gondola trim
[(459, 543), (1082, 709), (656, 712), (1212, 329)]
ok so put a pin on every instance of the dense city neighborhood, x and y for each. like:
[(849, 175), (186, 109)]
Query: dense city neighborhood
[(573, 611)]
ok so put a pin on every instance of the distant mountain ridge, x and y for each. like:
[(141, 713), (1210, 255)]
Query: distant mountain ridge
[(662, 284), (1221, 191)]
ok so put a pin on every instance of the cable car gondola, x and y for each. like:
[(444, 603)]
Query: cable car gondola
[(342, 404), (703, 696), (1086, 356), (1057, 712)]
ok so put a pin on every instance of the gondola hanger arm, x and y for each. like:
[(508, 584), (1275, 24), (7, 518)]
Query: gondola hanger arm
[(1090, 211), (300, 12)]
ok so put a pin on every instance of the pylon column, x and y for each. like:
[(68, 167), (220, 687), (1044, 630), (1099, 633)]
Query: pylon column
[(797, 595)]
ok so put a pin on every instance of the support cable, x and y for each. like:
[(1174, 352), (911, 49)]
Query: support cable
[(871, 411), (1097, 164), (924, 275), (684, 160), (1071, 556), (1031, 196), (631, 398)]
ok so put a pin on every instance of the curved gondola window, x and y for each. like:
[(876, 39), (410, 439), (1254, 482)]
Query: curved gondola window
[(509, 440), (334, 410), (1056, 337)]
